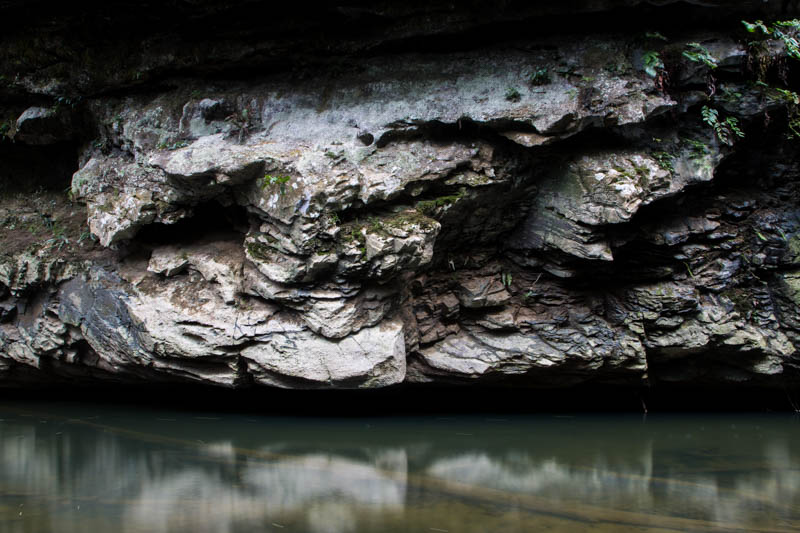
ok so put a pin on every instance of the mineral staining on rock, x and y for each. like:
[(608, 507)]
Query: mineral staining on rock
[(416, 221)]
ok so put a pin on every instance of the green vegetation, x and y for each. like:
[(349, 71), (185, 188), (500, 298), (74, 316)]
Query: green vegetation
[(540, 76), (727, 129), (761, 58), (164, 145), (792, 101), (698, 149), (652, 63), (790, 97), (429, 207), (375, 224), (410, 218), (730, 95), (506, 279), (259, 251), (268, 181), (655, 35), (665, 160), (700, 54), (512, 94), (782, 30)]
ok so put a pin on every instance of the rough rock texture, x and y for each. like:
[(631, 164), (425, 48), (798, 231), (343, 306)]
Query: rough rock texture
[(449, 199)]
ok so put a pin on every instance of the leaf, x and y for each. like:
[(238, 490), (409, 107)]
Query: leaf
[(700, 54), (651, 61), (756, 26), (655, 35)]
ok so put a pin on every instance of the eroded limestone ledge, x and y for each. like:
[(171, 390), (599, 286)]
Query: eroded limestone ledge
[(536, 211)]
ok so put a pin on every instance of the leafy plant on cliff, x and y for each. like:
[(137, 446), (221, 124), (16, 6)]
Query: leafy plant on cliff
[(652, 63), (785, 31), (726, 129), (665, 160), (761, 59), (512, 94), (268, 181), (164, 145), (540, 76), (699, 54), (760, 56), (792, 101)]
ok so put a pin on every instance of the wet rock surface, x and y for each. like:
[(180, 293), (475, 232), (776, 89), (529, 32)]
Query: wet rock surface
[(535, 211)]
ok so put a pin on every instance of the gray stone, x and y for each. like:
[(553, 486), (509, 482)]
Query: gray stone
[(44, 125)]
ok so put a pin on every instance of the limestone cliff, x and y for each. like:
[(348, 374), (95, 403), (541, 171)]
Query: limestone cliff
[(367, 194)]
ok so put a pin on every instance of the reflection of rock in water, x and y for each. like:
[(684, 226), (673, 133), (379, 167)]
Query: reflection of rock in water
[(352, 485), (323, 487)]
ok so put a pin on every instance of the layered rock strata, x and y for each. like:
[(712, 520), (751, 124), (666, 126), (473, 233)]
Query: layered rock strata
[(542, 211)]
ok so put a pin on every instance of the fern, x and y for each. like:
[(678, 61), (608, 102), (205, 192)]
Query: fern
[(651, 60), (726, 129), (783, 30), (700, 54)]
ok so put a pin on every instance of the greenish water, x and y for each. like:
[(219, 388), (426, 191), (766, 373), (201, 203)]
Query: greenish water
[(87, 468)]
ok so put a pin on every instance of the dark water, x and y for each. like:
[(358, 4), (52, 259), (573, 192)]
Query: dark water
[(82, 468)]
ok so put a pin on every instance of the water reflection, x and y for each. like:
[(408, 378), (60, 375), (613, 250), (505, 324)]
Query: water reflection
[(78, 468)]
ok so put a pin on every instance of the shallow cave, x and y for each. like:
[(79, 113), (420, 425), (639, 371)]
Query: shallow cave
[(28, 168), (208, 219)]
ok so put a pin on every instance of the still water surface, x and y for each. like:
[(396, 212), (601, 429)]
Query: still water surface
[(87, 468)]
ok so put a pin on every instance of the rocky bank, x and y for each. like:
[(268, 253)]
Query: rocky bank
[(369, 194)]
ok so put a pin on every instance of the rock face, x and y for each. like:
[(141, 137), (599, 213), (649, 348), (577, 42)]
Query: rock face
[(566, 208)]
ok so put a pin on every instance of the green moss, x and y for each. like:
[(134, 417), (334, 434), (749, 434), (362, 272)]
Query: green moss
[(411, 218), (259, 251), (428, 207)]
